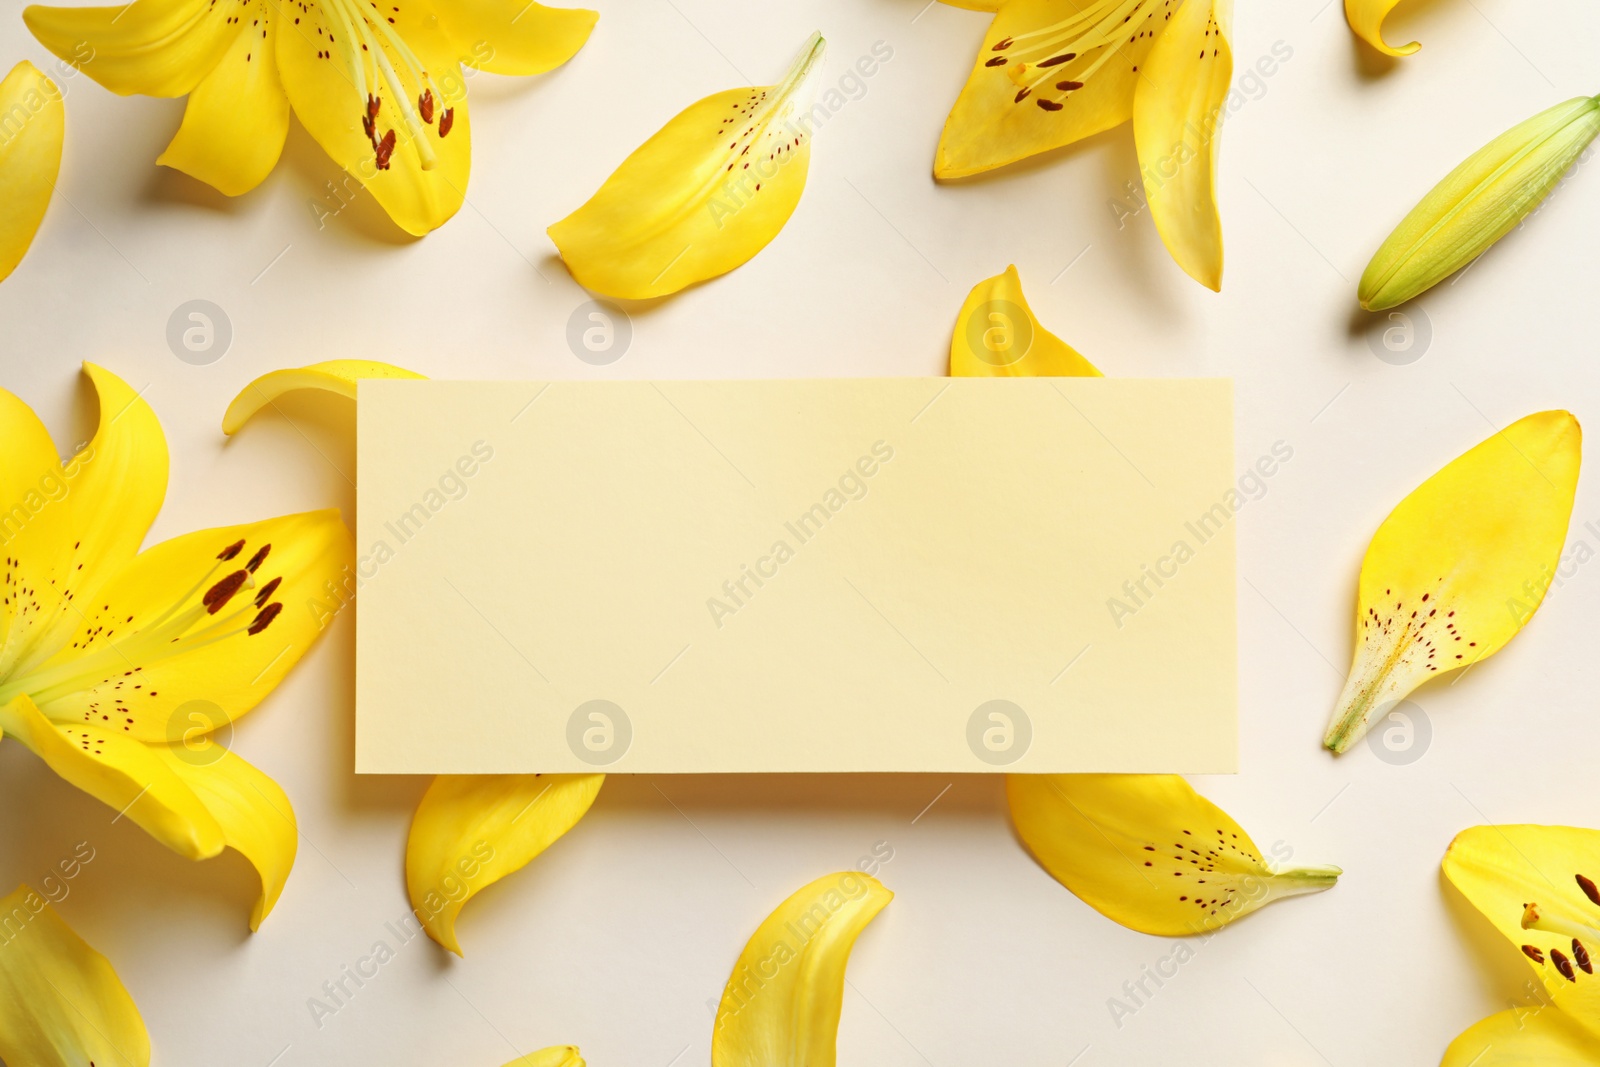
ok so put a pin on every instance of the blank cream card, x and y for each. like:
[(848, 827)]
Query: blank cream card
[(908, 574)]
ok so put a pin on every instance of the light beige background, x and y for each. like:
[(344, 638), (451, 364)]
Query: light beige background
[(620, 935)]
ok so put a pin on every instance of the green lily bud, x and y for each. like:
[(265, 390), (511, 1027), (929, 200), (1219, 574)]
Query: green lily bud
[(1478, 203)]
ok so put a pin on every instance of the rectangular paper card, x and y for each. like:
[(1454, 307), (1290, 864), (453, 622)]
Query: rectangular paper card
[(910, 574)]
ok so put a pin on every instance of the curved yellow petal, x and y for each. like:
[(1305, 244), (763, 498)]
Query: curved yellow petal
[(79, 524), (1479, 202), (781, 1005), (1366, 21), (121, 773), (252, 810), (1147, 851), (996, 335), (555, 1056), (513, 37), (470, 831), (1177, 125), (1524, 1037), (1459, 566), (153, 47), (337, 376), (30, 158), (416, 169), (61, 1002), (1023, 97), (703, 195), (237, 118), (975, 5), (1537, 885)]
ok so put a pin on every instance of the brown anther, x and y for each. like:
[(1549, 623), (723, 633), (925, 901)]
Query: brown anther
[(1533, 953), (997, 61), (1065, 57), (263, 620), (1581, 954), (267, 591), (425, 105), (1563, 965), (447, 122), (1048, 105), (373, 104), (218, 595), (1068, 86), (257, 559), (1589, 889), (1022, 94), (238, 547), (385, 149), (1001, 45)]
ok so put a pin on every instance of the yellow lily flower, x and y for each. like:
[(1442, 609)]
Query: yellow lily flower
[(1147, 851), (1366, 22), (61, 1003), (469, 831), (30, 158), (703, 195), (1479, 202), (997, 335), (1051, 72), (117, 666), (1459, 566), (555, 1056), (1536, 884), (781, 1004), (381, 90)]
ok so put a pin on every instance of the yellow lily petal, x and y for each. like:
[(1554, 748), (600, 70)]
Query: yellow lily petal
[(237, 118), (1023, 97), (1177, 125), (337, 376), (416, 169), (1479, 202), (216, 616), (1459, 566), (781, 1004), (1366, 20), (975, 5), (512, 37), (703, 195), (30, 158), (122, 773), (1524, 1037), (1147, 851), (253, 811), (470, 831), (996, 335), (555, 1056), (154, 47), (61, 1003), (1537, 885), (78, 524)]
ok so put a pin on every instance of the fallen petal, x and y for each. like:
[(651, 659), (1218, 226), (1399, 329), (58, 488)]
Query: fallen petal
[(30, 158)]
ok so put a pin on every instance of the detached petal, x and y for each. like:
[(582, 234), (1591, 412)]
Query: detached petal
[(237, 118), (1478, 203), (415, 168), (1366, 20), (703, 195), (252, 810), (781, 1004), (1524, 1037), (121, 773), (30, 158), (1460, 566), (135, 666), (511, 37), (1536, 884), (996, 335), (1147, 851), (153, 47), (337, 376), (555, 1056), (470, 831), (1048, 74), (1177, 124), (61, 1003), (976, 5)]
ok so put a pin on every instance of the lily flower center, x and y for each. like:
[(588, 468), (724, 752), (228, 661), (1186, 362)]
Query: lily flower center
[(370, 48), (186, 625), (1535, 918), (1051, 63)]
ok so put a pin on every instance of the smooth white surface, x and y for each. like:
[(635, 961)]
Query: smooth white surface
[(622, 934)]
